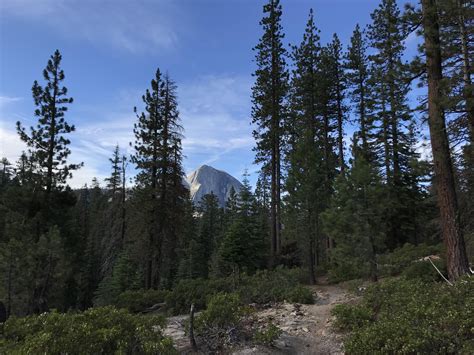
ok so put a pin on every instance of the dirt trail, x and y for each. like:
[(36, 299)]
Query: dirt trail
[(306, 328)]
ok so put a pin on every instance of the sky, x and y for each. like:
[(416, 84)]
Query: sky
[(111, 50)]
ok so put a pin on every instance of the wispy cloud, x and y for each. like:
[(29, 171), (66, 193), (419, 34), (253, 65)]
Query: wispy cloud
[(215, 112), (134, 26), (216, 115), (5, 100)]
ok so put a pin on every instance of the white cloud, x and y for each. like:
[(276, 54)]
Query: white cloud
[(10, 144), (5, 100), (215, 112), (134, 26)]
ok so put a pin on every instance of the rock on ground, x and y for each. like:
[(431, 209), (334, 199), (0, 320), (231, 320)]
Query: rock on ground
[(306, 328)]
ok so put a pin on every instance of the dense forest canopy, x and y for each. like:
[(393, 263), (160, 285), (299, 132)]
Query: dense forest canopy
[(319, 204)]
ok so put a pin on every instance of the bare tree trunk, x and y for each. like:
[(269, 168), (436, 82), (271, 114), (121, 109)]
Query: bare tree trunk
[(457, 262)]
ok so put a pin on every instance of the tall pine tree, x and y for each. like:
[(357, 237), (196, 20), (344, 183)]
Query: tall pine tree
[(269, 95)]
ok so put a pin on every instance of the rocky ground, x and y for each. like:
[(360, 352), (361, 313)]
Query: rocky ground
[(306, 328)]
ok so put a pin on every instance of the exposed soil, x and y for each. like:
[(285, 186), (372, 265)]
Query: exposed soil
[(306, 328)]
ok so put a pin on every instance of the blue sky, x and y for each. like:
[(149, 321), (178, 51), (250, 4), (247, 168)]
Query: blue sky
[(111, 50)]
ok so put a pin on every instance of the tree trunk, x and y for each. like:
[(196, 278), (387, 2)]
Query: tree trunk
[(457, 262), (273, 212), (340, 133)]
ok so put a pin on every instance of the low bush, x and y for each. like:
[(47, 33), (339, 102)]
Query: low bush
[(223, 310), (268, 335), (261, 288), (197, 291), (219, 326), (300, 294), (140, 300), (274, 286), (396, 262), (351, 317), (225, 322), (423, 270), (411, 316), (349, 269), (104, 330)]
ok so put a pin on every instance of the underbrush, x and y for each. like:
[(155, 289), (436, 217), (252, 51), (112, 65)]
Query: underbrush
[(140, 300), (226, 323), (408, 257), (405, 259), (410, 316), (105, 330), (261, 288)]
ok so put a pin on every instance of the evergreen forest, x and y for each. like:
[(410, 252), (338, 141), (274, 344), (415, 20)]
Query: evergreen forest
[(361, 190)]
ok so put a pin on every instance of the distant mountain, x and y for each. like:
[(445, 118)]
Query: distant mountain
[(206, 179)]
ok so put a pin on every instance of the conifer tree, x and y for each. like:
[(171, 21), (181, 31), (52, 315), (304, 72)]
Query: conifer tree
[(269, 109), (47, 141), (115, 180), (242, 246), (358, 66), (158, 158), (457, 263), (307, 177), (339, 82), (353, 221), (390, 108), (43, 174)]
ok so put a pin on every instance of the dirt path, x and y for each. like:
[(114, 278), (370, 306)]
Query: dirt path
[(306, 328)]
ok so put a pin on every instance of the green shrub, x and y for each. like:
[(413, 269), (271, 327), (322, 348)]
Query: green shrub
[(394, 263), (197, 291), (261, 288), (423, 270), (350, 269), (223, 310), (104, 330), (268, 335), (301, 294), (137, 301), (274, 286), (354, 286), (411, 316), (350, 317)]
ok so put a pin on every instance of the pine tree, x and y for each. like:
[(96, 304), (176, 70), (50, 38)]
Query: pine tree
[(358, 66), (242, 246), (457, 263), (339, 82), (307, 179), (158, 158), (6, 171), (456, 28), (390, 88), (125, 276), (457, 51), (354, 219), (269, 108), (48, 143), (43, 174), (115, 180)]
